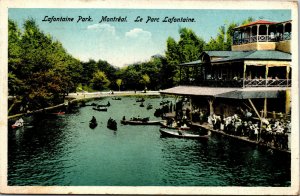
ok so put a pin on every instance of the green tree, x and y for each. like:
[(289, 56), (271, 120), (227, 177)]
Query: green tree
[(190, 45), (188, 48), (14, 58), (119, 83), (223, 41), (100, 80), (40, 70), (247, 21), (145, 80)]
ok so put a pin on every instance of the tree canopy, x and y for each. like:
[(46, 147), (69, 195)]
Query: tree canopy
[(41, 72)]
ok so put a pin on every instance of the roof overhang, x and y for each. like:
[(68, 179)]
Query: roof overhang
[(196, 91), (230, 93), (254, 93)]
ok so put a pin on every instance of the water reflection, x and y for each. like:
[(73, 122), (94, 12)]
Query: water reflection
[(65, 151)]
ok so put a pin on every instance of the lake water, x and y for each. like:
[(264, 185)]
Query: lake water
[(64, 151)]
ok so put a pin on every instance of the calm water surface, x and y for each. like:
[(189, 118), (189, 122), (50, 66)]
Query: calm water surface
[(65, 151)]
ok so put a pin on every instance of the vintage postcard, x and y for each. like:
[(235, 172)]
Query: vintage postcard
[(149, 97)]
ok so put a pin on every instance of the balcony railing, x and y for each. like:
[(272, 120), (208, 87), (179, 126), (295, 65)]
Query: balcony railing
[(262, 38), (267, 83), (240, 83)]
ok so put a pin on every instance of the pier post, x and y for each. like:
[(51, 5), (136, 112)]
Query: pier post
[(211, 107), (265, 108)]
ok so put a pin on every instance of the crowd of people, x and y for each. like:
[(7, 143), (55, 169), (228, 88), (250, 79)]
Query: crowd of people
[(272, 132)]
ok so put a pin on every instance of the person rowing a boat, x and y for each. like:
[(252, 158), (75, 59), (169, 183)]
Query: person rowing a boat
[(93, 120)]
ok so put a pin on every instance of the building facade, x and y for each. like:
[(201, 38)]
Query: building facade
[(255, 73)]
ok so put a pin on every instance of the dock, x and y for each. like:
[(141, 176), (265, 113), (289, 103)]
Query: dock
[(241, 138)]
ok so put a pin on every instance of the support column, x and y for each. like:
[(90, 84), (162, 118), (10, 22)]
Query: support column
[(241, 37), (287, 101), (244, 76), (266, 75), (250, 34), (265, 108), (257, 33), (283, 31), (267, 33), (287, 74)]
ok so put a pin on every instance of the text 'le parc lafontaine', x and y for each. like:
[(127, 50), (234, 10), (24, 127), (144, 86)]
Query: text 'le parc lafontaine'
[(138, 19)]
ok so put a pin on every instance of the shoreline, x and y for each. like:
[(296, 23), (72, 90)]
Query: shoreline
[(240, 138), (74, 97)]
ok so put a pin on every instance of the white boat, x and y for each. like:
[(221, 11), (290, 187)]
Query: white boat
[(181, 134), (19, 123)]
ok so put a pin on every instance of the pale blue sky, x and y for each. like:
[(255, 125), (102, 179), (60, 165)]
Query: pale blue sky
[(125, 43)]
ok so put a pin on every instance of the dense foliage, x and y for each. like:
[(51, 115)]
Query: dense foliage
[(42, 72)]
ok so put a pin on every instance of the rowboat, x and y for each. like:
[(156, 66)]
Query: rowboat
[(58, 113), (140, 100), (181, 134), (112, 124), (93, 125), (19, 123), (163, 125), (100, 109), (140, 122), (116, 98)]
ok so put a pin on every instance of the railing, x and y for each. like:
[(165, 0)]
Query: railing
[(262, 38), (267, 83), (240, 83)]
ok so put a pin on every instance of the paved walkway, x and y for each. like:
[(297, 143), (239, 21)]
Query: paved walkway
[(87, 95)]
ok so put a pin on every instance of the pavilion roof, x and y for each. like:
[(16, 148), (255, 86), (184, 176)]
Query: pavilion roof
[(256, 55), (264, 22), (229, 56)]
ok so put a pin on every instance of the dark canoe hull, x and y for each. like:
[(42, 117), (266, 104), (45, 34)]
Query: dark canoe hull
[(172, 133), (132, 122)]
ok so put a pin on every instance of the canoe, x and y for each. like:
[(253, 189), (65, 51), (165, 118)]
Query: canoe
[(139, 122), (181, 134)]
